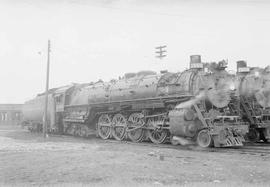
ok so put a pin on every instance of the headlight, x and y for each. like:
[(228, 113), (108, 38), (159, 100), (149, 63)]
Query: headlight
[(232, 87)]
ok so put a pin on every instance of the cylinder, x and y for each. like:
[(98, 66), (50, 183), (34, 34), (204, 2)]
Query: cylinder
[(179, 126)]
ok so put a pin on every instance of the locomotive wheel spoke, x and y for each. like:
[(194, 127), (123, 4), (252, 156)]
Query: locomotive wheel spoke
[(155, 134), (119, 124), (104, 126), (136, 120)]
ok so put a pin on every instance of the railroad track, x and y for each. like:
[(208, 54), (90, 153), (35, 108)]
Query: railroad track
[(262, 149), (245, 150), (252, 149)]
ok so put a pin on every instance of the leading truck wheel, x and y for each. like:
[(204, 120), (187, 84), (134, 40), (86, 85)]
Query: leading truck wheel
[(263, 135), (104, 126), (253, 135), (204, 139)]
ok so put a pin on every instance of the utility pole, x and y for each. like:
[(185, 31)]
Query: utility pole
[(161, 50), (45, 122)]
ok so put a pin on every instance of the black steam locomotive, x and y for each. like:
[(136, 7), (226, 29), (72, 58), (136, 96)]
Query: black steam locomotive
[(201, 104), (254, 88)]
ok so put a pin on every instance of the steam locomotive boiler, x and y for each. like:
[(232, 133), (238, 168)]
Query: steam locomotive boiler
[(198, 104), (254, 88)]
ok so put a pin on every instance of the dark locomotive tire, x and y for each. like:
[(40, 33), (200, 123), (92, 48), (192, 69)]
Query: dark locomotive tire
[(204, 139)]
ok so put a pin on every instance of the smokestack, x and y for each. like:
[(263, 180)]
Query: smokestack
[(195, 59), (195, 62), (241, 64)]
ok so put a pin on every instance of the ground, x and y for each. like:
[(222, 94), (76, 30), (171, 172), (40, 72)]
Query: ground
[(27, 159)]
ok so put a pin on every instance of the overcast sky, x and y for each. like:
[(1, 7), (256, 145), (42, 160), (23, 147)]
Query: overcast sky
[(103, 39)]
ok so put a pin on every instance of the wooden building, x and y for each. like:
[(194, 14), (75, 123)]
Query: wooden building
[(10, 114)]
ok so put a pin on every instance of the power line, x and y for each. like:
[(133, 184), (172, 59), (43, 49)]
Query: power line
[(160, 51)]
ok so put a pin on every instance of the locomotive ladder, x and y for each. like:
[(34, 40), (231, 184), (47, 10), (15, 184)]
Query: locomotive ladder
[(200, 111), (234, 105), (248, 110)]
